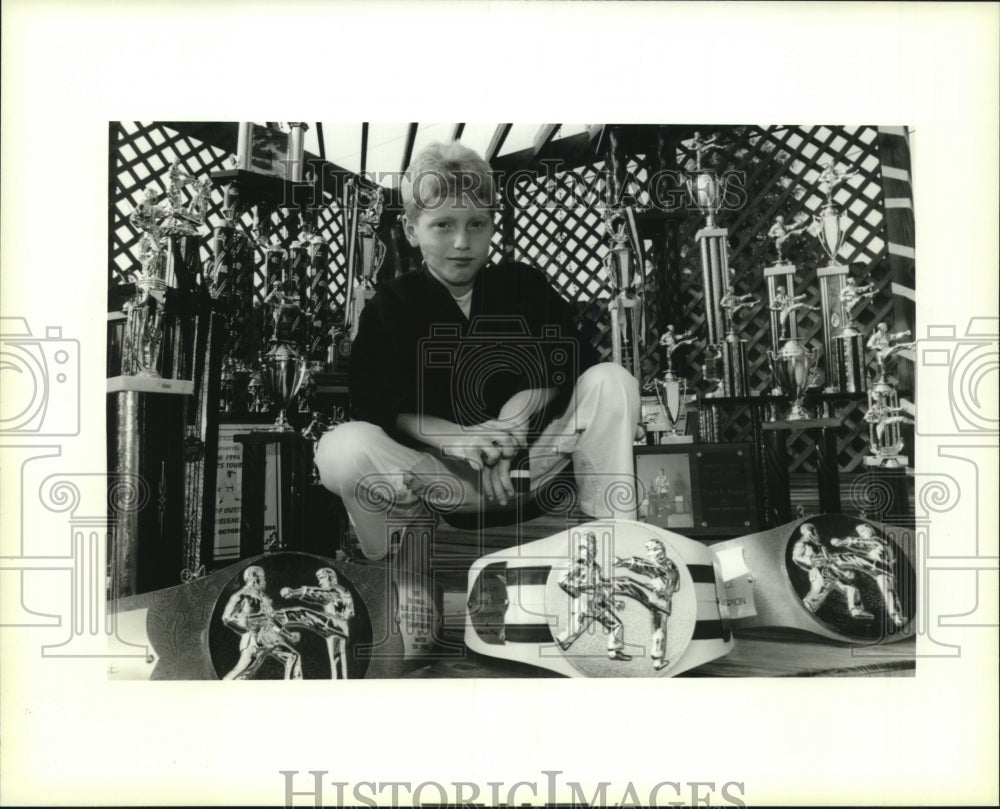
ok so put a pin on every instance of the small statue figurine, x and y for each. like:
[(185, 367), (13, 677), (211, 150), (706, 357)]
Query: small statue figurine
[(283, 300), (885, 345), (702, 147), (614, 227), (851, 293), (832, 178), (781, 232), (733, 303), (671, 342), (786, 304)]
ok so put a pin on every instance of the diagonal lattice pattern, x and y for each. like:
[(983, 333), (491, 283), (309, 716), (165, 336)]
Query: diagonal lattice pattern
[(557, 225), (141, 156)]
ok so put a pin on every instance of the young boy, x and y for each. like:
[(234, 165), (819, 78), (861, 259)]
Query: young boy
[(462, 366)]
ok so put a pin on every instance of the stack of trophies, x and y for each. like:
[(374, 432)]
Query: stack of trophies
[(793, 365), (272, 350)]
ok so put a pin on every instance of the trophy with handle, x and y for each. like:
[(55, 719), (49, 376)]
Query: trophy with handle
[(792, 367), (284, 366), (672, 390), (284, 370)]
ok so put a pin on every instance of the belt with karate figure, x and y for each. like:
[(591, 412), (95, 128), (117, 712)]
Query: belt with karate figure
[(628, 599), (610, 598)]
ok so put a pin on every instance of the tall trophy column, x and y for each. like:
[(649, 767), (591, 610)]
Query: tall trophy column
[(707, 192), (844, 357)]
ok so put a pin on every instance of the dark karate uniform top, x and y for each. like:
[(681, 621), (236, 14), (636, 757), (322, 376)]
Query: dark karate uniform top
[(417, 353)]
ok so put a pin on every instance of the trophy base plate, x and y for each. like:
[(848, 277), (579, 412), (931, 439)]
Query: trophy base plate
[(798, 413), (889, 462), (676, 439)]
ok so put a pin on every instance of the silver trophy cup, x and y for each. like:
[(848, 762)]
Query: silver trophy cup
[(792, 367), (670, 392), (284, 370)]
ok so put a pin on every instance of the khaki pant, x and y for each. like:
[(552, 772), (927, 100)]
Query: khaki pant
[(375, 476)]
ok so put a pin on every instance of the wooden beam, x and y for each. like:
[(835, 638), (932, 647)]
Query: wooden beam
[(496, 142), (411, 137), (456, 133), (364, 147), (322, 144), (544, 136), (572, 152)]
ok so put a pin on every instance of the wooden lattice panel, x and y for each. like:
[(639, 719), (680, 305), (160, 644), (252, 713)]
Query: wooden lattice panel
[(558, 226), (142, 155)]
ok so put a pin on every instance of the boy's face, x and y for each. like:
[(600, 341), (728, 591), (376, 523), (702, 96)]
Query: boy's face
[(454, 237)]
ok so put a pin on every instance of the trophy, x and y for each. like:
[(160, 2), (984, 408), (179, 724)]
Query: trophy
[(733, 349), (670, 394), (144, 325), (257, 399), (284, 370), (671, 342), (160, 218), (365, 251), (780, 278), (850, 296), (626, 282), (784, 305), (884, 418), (841, 343), (672, 390), (707, 193), (792, 367), (885, 346)]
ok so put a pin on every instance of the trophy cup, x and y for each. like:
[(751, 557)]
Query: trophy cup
[(671, 393), (792, 367), (284, 370), (284, 367), (672, 390)]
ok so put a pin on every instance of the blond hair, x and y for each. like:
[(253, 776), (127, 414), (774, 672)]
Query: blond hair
[(444, 171)]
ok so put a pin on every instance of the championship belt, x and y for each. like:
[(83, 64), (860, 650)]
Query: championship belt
[(841, 577), (610, 598), (285, 615)]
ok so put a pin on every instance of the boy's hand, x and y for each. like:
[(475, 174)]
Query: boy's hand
[(481, 445), (496, 482)]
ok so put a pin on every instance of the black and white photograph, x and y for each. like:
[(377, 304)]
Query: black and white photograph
[(497, 300), (434, 403)]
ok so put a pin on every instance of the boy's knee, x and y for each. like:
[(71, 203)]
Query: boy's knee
[(612, 382), (341, 451)]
